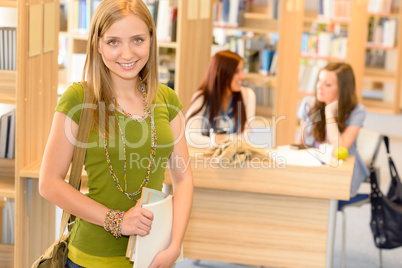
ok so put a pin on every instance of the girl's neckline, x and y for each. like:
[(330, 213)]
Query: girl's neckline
[(137, 118)]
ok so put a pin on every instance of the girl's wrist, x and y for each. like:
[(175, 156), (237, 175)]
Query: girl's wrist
[(330, 120), (175, 250), (113, 222)]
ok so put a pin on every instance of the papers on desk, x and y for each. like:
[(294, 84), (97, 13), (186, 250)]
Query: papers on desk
[(306, 157), (142, 250)]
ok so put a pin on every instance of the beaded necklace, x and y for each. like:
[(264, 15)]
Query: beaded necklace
[(147, 112)]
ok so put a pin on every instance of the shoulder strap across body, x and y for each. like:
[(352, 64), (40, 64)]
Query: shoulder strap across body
[(79, 152)]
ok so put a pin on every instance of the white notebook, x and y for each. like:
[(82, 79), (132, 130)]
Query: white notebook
[(142, 250)]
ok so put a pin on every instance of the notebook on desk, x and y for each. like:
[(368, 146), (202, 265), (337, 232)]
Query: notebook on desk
[(307, 157)]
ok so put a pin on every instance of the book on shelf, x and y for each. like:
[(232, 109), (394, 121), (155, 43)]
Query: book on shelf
[(379, 6), (83, 14), (77, 64), (308, 78), (334, 9), (264, 95), (143, 249), (274, 64), (324, 45), (94, 6), (382, 32), (7, 134), (173, 24), (8, 47), (266, 58), (228, 13), (2, 55), (8, 222), (165, 18)]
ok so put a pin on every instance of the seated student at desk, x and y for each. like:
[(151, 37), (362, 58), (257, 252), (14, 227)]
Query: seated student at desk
[(334, 116), (221, 102)]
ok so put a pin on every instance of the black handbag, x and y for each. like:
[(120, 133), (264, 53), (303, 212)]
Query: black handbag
[(386, 211)]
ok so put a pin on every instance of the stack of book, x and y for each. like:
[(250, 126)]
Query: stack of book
[(7, 135), (8, 47)]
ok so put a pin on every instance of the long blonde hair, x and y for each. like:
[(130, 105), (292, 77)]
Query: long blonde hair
[(95, 71)]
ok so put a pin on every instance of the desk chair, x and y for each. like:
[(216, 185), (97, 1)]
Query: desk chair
[(368, 145)]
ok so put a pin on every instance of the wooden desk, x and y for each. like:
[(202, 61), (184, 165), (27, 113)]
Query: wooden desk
[(281, 217)]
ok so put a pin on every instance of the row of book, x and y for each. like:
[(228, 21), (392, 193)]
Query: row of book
[(8, 222), (382, 32), (228, 13), (83, 11), (165, 18), (383, 59), (263, 92), (379, 6), (7, 135), (324, 45), (308, 75), (258, 56), (375, 58), (8, 47), (269, 7), (335, 9)]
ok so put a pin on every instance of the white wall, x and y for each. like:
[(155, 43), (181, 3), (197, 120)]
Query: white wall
[(8, 17)]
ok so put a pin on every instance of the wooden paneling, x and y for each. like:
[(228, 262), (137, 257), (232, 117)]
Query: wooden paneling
[(36, 97), (257, 229), (261, 216), (356, 44), (285, 105), (194, 39), (7, 86), (6, 256), (8, 3), (7, 180)]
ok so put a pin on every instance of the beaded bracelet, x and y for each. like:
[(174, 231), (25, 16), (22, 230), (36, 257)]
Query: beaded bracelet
[(113, 221)]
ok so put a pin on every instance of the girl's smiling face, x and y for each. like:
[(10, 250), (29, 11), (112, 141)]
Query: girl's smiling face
[(125, 47), (238, 78)]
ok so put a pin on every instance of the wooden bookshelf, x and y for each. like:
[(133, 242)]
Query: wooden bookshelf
[(35, 96), (391, 104), (167, 45), (6, 256), (8, 3), (257, 20), (356, 33), (284, 85), (7, 180), (8, 86), (265, 110), (269, 79), (379, 75), (378, 106)]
